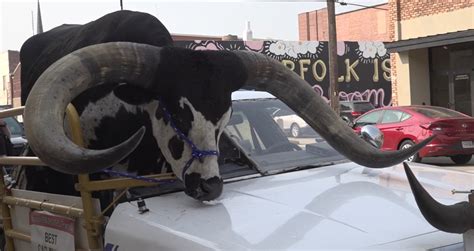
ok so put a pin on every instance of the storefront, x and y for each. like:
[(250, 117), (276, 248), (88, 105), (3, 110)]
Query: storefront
[(439, 70)]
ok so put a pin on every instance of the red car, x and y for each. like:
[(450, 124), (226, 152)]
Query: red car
[(405, 126)]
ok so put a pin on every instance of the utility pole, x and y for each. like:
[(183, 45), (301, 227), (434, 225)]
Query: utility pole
[(332, 42), (121, 5)]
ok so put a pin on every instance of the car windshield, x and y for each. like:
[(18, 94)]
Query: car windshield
[(364, 107), (437, 112), (254, 144), (15, 128), (268, 146)]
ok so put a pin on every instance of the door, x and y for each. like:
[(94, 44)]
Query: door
[(392, 128), (462, 98)]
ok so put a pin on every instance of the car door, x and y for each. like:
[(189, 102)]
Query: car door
[(392, 128)]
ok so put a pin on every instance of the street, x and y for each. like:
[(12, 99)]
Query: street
[(446, 162), (437, 161)]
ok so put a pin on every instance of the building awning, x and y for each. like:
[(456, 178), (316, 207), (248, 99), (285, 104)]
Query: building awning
[(431, 41)]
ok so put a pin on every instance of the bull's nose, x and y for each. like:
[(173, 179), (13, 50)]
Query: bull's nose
[(211, 188), (203, 189)]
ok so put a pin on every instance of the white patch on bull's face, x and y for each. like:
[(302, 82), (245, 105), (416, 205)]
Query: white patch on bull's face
[(202, 134)]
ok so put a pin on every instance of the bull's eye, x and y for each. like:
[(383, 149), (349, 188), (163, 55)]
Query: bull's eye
[(176, 147)]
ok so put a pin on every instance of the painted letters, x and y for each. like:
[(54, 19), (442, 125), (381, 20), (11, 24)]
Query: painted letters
[(364, 67)]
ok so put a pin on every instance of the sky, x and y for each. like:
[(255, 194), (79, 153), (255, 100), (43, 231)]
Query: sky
[(269, 19)]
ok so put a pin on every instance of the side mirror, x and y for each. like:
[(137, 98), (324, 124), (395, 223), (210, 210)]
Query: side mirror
[(373, 135)]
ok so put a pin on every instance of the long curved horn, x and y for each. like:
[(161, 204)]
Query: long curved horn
[(457, 218), (269, 75), (44, 110)]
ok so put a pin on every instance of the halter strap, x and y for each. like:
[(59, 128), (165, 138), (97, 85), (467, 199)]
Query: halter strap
[(196, 152)]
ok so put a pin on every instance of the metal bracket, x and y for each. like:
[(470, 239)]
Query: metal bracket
[(454, 191)]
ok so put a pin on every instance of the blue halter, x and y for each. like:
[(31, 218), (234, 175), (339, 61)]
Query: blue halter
[(195, 154)]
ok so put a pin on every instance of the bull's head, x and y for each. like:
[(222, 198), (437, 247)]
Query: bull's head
[(196, 87)]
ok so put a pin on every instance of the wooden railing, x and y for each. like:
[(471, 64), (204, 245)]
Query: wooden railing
[(93, 221)]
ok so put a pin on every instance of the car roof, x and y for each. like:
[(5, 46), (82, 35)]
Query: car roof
[(250, 95), (409, 107)]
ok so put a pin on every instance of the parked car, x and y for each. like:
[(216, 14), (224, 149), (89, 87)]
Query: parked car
[(350, 110), (280, 196), (17, 135), (289, 122), (405, 126)]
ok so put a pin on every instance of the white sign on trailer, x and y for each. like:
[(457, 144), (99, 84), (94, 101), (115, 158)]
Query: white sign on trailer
[(51, 232)]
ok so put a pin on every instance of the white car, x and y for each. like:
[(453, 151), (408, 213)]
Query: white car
[(291, 123), (280, 196)]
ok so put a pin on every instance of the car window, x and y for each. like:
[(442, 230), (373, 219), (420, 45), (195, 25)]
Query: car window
[(242, 131), (391, 116), (283, 112), (437, 112), (345, 107), (270, 147), (370, 118), (405, 116), (15, 128), (363, 107)]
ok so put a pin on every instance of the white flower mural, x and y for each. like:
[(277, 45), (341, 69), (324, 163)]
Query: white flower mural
[(277, 48), (293, 49), (368, 50), (380, 48)]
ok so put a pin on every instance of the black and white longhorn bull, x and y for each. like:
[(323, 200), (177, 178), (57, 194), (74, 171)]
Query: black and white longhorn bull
[(117, 85)]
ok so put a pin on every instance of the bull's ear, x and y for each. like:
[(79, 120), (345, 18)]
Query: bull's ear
[(132, 94)]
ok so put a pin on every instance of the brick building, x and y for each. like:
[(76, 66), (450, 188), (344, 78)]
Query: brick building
[(359, 25), (431, 45), (10, 76), (433, 53)]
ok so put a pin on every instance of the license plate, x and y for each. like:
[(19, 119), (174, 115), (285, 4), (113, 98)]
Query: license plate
[(467, 144)]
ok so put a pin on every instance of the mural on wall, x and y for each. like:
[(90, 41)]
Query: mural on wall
[(363, 67)]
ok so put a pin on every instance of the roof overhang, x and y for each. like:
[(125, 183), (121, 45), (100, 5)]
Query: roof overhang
[(431, 41)]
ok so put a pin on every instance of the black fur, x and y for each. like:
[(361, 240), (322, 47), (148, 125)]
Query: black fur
[(42, 50)]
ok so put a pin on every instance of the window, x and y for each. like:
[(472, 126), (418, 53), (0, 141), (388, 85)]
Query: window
[(391, 116), (5, 82), (363, 107), (241, 130), (15, 128), (370, 118), (345, 107), (405, 116), (283, 112)]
